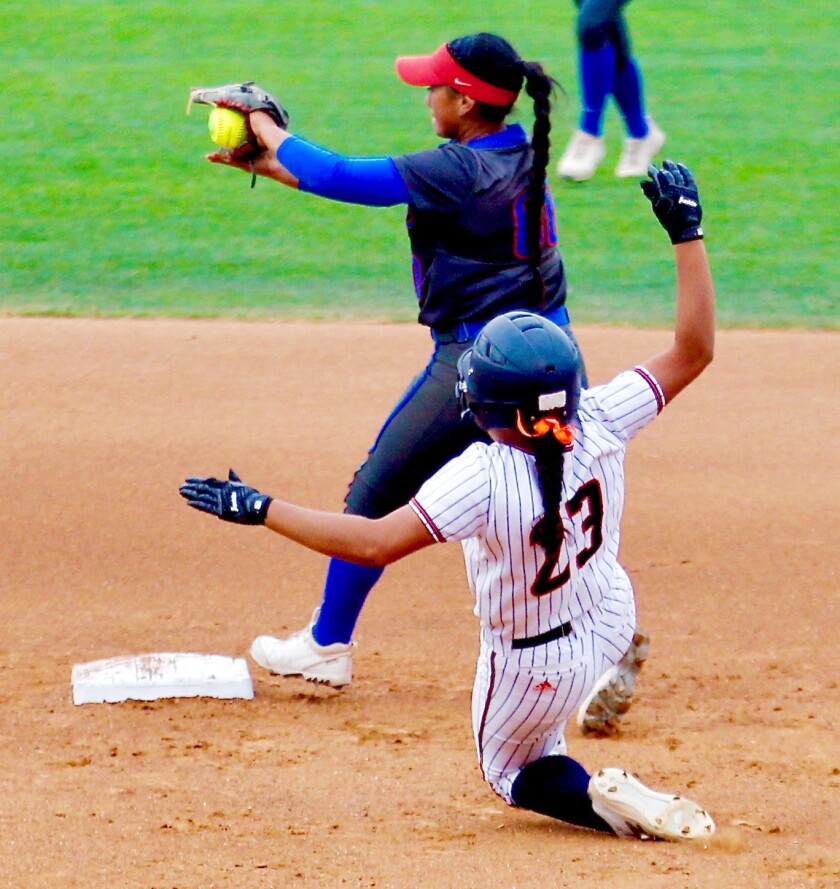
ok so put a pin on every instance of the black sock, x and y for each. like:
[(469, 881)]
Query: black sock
[(556, 786)]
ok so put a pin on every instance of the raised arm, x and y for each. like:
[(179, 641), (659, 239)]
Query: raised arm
[(676, 203), (372, 542)]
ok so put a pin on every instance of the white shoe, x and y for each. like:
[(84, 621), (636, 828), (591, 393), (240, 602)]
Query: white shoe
[(301, 655), (633, 810), (638, 153), (582, 156), (602, 709)]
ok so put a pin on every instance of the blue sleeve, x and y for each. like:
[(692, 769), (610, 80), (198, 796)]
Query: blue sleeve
[(372, 181)]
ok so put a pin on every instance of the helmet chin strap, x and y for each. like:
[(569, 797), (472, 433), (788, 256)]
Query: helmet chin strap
[(565, 434)]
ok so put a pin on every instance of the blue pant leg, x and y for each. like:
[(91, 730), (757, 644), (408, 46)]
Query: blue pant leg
[(423, 432), (603, 54)]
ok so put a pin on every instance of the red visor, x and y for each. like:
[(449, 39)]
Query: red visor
[(439, 68)]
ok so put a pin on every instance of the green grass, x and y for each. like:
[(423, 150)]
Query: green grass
[(110, 208)]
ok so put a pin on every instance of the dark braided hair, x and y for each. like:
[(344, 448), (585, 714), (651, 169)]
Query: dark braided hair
[(548, 531), (540, 87), (495, 60)]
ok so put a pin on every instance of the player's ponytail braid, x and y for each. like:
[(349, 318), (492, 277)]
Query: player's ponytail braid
[(540, 87), (548, 531)]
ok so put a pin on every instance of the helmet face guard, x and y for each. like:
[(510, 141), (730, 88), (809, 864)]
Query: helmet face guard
[(521, 367)]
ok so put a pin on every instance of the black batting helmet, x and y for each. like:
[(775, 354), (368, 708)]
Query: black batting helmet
[(519, 362)]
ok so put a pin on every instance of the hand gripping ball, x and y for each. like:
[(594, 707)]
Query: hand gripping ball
[(227, 128)]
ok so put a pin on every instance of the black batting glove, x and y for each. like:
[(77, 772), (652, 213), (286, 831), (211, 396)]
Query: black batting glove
[(230, 500), (673, 194)]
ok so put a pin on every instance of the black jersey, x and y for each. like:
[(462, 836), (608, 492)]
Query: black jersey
[(466, 224)]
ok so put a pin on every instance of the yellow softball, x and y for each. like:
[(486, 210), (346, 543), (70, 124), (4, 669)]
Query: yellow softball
[(227, 128)]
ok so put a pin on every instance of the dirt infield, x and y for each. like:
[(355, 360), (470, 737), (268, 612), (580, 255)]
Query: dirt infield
[(731, 535)]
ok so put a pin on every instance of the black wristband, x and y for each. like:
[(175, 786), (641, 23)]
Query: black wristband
[(261, 509), (695, 233)]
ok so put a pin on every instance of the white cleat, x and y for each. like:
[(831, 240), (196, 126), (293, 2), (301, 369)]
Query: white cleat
[(637, 154), (582, 156), (633, 810), (602, 709), (301, 655)]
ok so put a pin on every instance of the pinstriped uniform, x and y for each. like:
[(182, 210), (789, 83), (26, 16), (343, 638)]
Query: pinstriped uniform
[(489, 499)]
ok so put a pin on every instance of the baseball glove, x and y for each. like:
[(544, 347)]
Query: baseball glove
[(244, 98)]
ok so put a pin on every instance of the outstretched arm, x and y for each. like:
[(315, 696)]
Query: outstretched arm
[(676, 203), (372, 542), (370, 181)]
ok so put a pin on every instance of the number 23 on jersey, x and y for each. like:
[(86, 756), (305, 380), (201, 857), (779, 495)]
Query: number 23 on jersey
[(589, 503)]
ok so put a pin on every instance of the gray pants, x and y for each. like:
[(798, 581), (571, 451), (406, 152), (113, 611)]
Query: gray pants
[(600, 22), (424, 432)]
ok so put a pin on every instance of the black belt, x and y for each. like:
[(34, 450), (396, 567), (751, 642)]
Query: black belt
[(549, 636), (469, 330)]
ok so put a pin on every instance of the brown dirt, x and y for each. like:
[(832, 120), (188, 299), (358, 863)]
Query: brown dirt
[(731, 536)]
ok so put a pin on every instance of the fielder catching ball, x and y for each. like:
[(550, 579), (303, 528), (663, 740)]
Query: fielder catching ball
[(483, 238), (230, 120), (537, 508), (228, 128)]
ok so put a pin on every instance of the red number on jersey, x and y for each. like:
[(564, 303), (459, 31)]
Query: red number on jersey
[(548, 233)]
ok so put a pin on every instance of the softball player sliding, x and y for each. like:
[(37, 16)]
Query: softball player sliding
[(483, 239), (537, 510)]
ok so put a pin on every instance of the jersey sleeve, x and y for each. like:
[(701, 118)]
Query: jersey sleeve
[(370, 181), (627, 403), (440, 179), (454, 503)]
